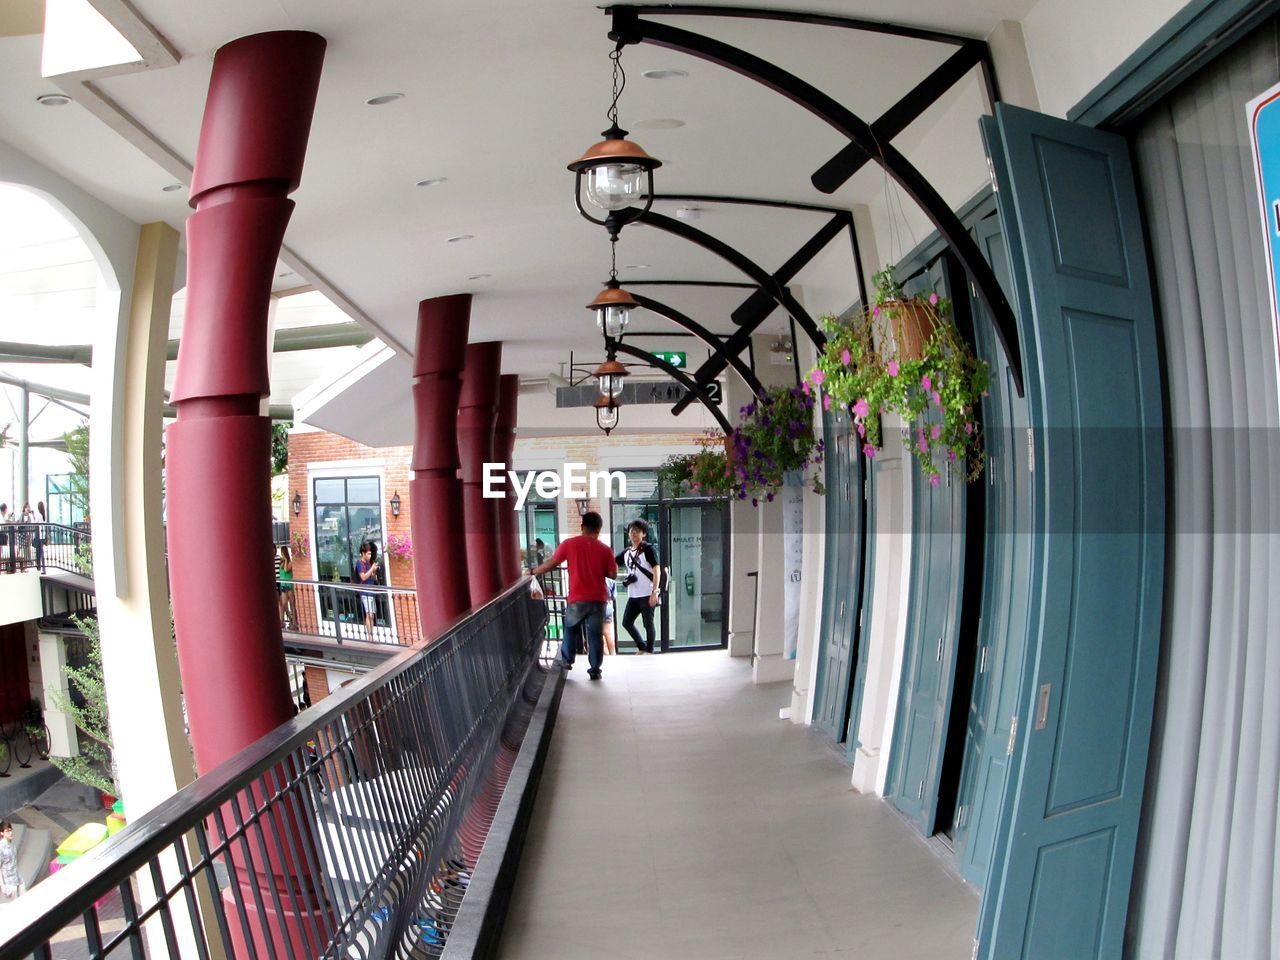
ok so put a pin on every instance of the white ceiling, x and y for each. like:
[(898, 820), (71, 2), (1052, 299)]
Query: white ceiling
[(499, 96)]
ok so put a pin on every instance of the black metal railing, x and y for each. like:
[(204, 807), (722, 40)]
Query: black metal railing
[(343, 612), (350, 831), (45, 546)]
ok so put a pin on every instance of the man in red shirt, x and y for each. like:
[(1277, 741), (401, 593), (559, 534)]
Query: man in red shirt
[(591, 563)]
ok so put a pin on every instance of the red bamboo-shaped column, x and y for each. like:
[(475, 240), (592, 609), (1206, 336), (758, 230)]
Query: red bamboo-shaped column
[(435, 492), (477, 416), (504, 444), (253, 139)]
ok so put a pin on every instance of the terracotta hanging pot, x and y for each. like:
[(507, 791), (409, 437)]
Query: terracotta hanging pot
[(912, 326)]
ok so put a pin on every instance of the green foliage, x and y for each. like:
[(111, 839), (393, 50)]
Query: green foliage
[(774, 438), (77, 442), (937, 396), (93, 766), (280, 447)]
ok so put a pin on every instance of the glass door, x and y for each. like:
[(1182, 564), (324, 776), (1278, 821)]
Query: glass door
[(348, 511), (695, 553)]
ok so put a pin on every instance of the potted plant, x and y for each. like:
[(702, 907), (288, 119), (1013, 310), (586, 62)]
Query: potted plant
[(867, 367), (400, 547), (705, 473), (775, 438)]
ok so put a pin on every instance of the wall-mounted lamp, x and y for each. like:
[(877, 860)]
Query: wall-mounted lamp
[(395, 504), (582, 507), (297, 504)]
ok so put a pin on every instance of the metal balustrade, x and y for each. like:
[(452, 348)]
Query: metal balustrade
[(45, 546), (344, 612), (350, 831)]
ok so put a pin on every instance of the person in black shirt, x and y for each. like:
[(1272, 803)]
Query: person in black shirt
[(644, 576)]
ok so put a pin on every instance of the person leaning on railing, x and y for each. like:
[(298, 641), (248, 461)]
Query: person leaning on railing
[(590, 565)]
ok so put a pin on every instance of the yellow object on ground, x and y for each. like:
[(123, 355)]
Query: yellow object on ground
[(115, 823), (85, 838)]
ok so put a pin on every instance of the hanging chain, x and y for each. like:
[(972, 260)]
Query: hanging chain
[(613, 257), (619, 84)]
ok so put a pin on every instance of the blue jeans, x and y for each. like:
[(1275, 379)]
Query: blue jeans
[(591, 616)]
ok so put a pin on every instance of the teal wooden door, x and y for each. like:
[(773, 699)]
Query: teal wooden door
[(1065, 845), (843, 579), (933, 623), (1003, 625)]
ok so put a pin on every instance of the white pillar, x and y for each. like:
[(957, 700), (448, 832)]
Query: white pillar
[(813, 562), (53, 662), (1013, 65), (770, 665)]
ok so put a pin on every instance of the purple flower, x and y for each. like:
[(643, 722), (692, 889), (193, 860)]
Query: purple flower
[(769, 497), (862, 431), (934, 480), (951, 455), (923, 445), (817, 377), (844, 356), (935, 431), (933, 299), (937, 400), (805, 386), (926, 382), (968, 428), (892, 367), (869, 451), (861, 408), (826, 401), (875, 311)]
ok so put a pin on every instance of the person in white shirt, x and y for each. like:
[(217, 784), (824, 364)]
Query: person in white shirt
[(643, 579)]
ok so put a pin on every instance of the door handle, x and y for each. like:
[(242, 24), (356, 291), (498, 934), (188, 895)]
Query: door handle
[(1042, 705)]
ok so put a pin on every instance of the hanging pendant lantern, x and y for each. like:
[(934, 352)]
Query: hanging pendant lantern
[(613, 307), (611, 376), (606, 414), (617, 172)]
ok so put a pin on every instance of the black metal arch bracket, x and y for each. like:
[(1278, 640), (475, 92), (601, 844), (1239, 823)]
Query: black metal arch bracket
[(776, 291), (629, 28), (706, 336), (674, 373)]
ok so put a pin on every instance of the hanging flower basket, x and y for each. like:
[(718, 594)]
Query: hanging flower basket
[(936, 391)]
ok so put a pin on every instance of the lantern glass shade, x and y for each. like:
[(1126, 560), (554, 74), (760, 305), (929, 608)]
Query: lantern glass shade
[(611, 385), (297, 504), (613, 320), (613, 186), (607, 417), (395, 504)]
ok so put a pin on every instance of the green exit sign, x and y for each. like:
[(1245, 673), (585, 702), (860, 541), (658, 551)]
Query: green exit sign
[(674, 357)]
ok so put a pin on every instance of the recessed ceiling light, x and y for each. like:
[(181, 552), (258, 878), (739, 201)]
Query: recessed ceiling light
[(53, 99), (480, 276), (170, 187), (664, 74), (383, 98), (431, 182), (287, 273), (658, 123), (635, 266), (460, 237)]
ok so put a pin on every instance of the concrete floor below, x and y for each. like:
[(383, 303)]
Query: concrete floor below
[(679, 817)]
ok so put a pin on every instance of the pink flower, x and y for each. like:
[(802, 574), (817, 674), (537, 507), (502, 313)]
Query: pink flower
[(933, 299), (817, 377), (861, 409), (937, 400), (951, 455), (869, 451), (862, 430), (926, 382), (968, 428), (892, 367), (826, 401), (934, 480), (844, 356), (875, 311), (804, 385), (923, 444), (935, 431)]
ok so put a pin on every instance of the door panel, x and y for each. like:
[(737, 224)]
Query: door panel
[(1073, 797), (1002, 634)]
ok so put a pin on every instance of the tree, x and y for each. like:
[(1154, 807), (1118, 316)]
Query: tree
[(280, 447), (77, 442), (94, 765)]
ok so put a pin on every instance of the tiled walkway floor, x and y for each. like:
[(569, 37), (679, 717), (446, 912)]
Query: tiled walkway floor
[(680, 819)]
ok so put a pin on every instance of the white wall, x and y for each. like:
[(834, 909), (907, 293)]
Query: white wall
[(1074, 44)]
